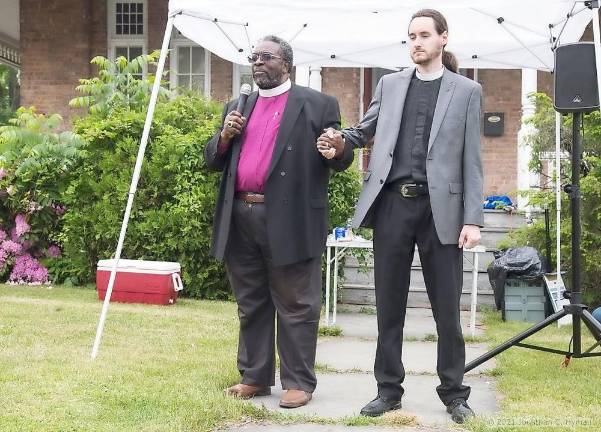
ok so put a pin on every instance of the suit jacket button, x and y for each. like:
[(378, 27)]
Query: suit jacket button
[(381, 181), (283, 173)]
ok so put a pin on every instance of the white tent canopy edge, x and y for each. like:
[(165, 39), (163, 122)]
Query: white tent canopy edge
[(508, 34)]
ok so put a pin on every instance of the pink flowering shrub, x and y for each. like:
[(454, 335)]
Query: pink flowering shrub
[(27, 269), (16, 259), (35, 167)]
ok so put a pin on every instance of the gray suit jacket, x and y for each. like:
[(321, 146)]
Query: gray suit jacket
[(453, 165)]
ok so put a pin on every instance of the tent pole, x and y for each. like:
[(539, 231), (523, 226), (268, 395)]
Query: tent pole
[(597, 39), (134, 182), (558, 195)]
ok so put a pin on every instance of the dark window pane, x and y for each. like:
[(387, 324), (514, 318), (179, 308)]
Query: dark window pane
[(119, 29), (140, 29), (121, 52), (183, 59), (125, 29), (126, 7), (135, 52), (198, 60), (126, 19), (140, 18), (140, 7), (119, 8), (119, 19)]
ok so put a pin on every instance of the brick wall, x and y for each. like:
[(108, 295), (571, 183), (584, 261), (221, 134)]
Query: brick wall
[(545, 84), (501, 93), (588, 33), (221, 79), (344, 85), (58, 39), (98, 28), (157, 19)]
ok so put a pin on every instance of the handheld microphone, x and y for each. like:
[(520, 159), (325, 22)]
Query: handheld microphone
[(244, 92)]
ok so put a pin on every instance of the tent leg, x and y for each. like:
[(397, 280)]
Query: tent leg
[(558, 192), (134, 182), (597, 39)]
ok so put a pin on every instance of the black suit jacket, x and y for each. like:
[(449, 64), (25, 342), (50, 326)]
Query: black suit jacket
[(296, 188)]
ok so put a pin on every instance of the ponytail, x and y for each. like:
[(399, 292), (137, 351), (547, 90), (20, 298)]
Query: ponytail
[(450, 61)]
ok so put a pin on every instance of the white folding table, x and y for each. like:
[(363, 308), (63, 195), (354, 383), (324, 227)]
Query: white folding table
[(336, 249)]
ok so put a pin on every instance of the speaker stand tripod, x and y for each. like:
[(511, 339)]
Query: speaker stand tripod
[(578, 311)]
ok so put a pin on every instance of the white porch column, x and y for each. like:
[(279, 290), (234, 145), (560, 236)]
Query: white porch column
[(315, 78), (302, 75), (526, 178)]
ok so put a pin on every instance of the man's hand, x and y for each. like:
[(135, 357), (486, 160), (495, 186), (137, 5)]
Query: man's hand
[(469, 237), (232, 126), (330, 144)]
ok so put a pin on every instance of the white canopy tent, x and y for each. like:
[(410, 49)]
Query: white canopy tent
[(505, 34), (499, 34)]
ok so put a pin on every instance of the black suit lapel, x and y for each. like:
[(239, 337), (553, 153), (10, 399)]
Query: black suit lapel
[(294, 105), (236, 144)]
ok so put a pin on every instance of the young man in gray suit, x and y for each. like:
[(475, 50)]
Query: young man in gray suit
[(423, 186)]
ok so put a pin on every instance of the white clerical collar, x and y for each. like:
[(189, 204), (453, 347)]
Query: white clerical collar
[(429, 77), (276, 91)]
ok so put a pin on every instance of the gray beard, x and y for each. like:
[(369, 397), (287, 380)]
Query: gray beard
[(266, 82)]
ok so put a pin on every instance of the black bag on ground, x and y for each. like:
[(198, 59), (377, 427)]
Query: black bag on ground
[(521, 263)]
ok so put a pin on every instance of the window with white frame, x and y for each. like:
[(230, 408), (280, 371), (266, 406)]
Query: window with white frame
[(242, 74), (190, 66), (129, 18), (127, 23)]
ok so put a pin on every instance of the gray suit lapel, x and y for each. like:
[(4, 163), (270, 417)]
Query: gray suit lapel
[(399, 94), (447, 87)]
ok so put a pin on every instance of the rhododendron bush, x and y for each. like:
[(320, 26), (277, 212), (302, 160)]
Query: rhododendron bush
[(35, 162)]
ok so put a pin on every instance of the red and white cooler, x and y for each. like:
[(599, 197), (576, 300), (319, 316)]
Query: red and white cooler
[(136, 281)]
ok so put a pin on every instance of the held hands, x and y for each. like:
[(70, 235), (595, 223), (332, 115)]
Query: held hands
[(469, 237), (330, 144), (232, 126)]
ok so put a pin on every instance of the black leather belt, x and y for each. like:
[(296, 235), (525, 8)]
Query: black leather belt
[(409, 190), (250, 197)]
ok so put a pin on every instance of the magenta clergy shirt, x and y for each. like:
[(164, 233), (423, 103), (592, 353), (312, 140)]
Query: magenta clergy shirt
[(258, 143)]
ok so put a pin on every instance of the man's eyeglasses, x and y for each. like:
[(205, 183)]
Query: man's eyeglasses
[(264, 56)]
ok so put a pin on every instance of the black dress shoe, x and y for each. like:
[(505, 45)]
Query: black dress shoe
[(459, 410), (379, 406)]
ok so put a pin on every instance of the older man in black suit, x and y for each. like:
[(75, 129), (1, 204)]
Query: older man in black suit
[(271, 221)]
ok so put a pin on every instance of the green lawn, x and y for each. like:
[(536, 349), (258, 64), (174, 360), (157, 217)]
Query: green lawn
[(159, 368), (537, 392), (164, 369)]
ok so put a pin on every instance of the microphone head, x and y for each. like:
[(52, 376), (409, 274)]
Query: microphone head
[(245, 89)]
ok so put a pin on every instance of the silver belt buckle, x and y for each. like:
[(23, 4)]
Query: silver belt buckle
[(405, 191)]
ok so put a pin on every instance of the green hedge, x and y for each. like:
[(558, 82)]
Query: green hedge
[(173, 208), (544, 141)]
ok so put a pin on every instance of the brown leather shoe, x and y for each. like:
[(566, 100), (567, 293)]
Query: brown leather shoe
[(295, 398), (246, 391)]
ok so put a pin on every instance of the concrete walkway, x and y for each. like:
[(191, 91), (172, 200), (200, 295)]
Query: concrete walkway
[(346, 382)]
